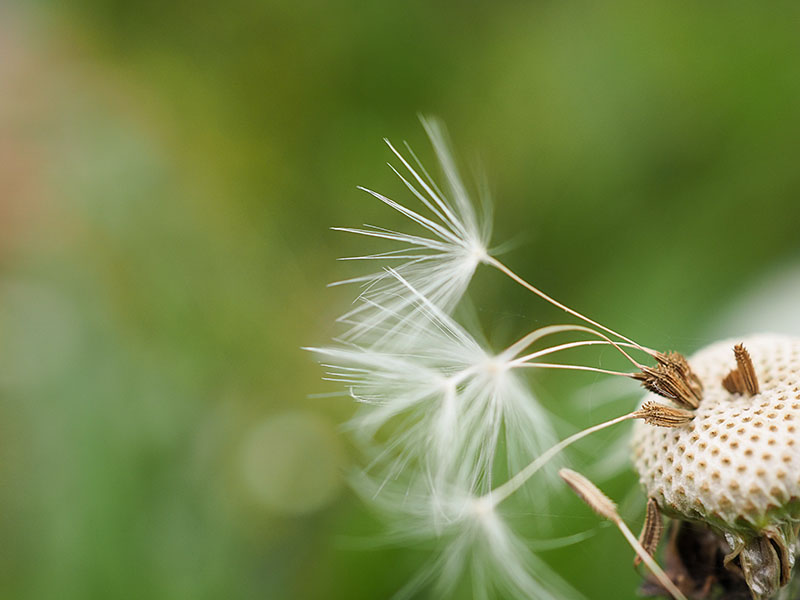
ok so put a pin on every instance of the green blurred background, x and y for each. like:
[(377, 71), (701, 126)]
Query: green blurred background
[(168, 174)]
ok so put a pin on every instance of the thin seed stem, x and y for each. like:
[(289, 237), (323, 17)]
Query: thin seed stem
[(501, 492), (576, 368), (648, 560), (538, 334), (504, 269), (566, 346), (534, 336)]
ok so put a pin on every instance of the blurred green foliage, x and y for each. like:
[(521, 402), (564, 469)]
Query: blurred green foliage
[(175, 167)]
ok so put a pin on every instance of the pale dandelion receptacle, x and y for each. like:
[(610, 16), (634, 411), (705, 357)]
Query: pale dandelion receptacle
[(452, 429)]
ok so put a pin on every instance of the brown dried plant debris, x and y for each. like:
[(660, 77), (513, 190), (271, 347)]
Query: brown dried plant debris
[(662, 415), (742, 380), (652, 530), (679, 362), (704, 566), (674, 379), (693, 559), (590, 494)]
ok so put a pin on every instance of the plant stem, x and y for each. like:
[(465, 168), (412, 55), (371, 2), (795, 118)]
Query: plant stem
[(503, 491)]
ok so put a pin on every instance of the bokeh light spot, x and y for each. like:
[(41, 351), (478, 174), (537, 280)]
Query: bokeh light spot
[(292, 463)]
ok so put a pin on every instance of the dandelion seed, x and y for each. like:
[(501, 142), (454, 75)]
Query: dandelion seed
[(652, 530), (743, 379), (440, 262), (456, 402), (471, 538), (652, 413), (655, 413), (602, 505)]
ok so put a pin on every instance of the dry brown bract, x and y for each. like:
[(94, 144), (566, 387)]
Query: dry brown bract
[(652, 530), (672, 378), (742, 380)]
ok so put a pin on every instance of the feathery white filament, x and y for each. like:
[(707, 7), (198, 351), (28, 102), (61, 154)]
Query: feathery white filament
[(449, 402), (440, 261), (472, 537), (440, 408)]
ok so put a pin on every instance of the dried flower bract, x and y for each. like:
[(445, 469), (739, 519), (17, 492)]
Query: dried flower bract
[(652, 530), (672, 378), (742, 380)]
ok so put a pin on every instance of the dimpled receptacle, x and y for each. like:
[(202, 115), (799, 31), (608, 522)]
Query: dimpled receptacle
[(736, 465)]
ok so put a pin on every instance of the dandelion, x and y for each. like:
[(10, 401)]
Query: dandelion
[(454, 431)]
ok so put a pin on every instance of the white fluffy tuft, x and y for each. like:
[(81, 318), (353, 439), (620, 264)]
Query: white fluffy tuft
[(472, 540), (440, 261), (445, 402)]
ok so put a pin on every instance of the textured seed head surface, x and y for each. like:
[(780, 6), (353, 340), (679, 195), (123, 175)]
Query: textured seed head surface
[(736, 465)]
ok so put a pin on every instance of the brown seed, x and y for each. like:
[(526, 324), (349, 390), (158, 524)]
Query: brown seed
[(742, 380), (662, 415), (651, 530), (672, 378), (589, 493)]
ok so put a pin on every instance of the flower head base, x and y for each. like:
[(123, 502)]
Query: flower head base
[(736, 465)]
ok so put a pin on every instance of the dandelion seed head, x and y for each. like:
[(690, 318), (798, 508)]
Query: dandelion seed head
[(736, 464), (738, 460)]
